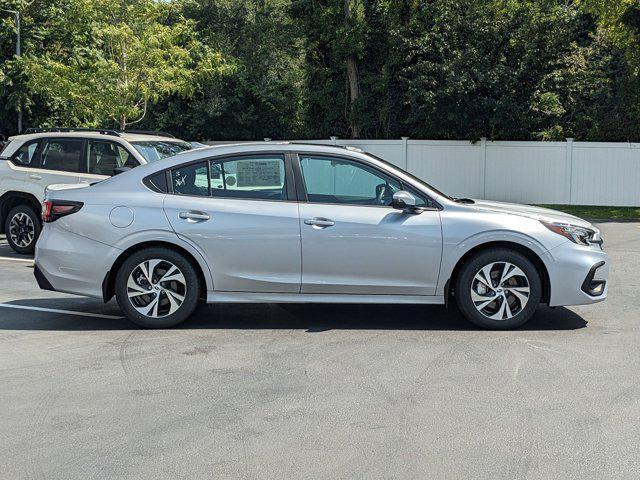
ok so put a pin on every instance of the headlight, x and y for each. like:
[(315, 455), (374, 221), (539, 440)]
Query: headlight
[(579, 235)]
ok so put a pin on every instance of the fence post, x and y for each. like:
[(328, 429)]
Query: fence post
[(483, 165), (334, 140), (405, 152), (570, 165)]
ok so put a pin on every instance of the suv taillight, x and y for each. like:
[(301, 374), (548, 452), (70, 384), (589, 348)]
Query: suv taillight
[(54, 209)]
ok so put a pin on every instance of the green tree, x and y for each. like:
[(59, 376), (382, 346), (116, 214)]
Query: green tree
[(249, 69), (620, 19), (262, 97), (131, 53)]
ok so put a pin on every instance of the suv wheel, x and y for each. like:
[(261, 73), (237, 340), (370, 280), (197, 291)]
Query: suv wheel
[(498, 289), (157, 288), (22, 227)]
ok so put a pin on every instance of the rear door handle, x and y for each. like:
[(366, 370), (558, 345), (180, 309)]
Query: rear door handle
[(33, 176), (320, 222), (193, 215)]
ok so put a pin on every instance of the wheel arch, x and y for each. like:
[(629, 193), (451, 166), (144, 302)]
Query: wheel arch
[(12, 199), (530, 254), (108, 284)]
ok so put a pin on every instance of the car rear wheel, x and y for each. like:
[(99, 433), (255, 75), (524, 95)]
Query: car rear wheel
[(498, 289), (22, 227), (157, 288)]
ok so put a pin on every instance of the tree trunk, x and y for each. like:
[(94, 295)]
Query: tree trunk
[(352, 76), (123, 123)]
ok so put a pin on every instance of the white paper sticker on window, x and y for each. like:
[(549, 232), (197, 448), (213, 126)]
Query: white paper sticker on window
[(259, 173)]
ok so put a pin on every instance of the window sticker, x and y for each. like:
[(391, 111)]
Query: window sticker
[(259, 173)]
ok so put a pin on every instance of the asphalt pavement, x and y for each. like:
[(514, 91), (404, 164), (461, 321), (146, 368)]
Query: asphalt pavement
[(319, 391)]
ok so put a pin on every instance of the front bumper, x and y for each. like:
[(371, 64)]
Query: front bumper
[(578, 275)]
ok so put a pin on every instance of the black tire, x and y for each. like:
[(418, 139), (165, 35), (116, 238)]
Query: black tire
[(465, 282), (191, 295), (37, 228)]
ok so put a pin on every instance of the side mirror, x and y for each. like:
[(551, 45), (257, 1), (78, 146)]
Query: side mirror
[(119, 170), (403, 200)]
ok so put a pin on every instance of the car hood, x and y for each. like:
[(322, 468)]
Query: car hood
[(529, 211)]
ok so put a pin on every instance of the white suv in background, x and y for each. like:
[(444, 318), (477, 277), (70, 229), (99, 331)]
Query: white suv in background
[(29, 163)]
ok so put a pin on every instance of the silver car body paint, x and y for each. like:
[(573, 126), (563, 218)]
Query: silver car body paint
[(253, 250)]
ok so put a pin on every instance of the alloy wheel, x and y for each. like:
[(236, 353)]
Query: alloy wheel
[(22, 231), (500, 290), (156, 288)]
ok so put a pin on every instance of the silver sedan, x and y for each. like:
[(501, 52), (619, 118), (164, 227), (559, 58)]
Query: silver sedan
[(280, 222)]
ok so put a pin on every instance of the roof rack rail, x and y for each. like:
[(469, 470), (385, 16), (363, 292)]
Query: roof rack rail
[(148, 132), (69, 130)]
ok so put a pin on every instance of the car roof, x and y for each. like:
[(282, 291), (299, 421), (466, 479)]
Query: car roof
[(254, 147), (203, 153), (129, 137), (135, 176)]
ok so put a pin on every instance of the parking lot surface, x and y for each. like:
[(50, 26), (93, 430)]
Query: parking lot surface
[(319, 391)]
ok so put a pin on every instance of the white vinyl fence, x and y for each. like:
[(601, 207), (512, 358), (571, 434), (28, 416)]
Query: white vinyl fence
[(575, 173)]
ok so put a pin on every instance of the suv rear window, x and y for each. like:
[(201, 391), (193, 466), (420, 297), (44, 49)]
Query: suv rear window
[(156, 150)]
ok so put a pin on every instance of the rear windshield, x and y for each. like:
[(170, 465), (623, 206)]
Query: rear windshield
[(156, 150)]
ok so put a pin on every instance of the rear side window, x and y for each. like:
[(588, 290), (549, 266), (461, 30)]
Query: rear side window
[(63, 154), (157, 182), (25, 154), (192, 179), (252, 177)]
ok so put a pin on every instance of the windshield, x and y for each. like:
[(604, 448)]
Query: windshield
[(156, 150), (420, 181)]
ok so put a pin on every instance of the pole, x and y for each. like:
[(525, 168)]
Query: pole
[(18, 49), (18, 53)]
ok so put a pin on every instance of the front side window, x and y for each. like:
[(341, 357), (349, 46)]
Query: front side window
[(24, 155), (63, 155), (192, 179), (156, 150), (252, 177), (342, 181), (104, 157)]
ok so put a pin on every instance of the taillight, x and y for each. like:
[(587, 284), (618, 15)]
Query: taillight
[(54, 209)]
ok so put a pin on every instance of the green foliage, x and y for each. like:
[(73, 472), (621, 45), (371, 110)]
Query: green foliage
[(125, 55), (249, 69), (262, 96)]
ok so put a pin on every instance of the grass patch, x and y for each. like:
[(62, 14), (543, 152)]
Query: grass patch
[(589, 211)]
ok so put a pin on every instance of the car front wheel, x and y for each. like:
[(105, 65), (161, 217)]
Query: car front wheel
[(157, 288), (22, 228), (498, 289)]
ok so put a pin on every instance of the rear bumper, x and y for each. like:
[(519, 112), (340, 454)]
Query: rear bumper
[(43, 282), (578, 275), (70, 263)]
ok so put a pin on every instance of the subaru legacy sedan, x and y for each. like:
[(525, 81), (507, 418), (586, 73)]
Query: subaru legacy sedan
[(279, 222)]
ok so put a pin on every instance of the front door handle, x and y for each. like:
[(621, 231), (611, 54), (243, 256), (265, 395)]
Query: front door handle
[(320, 222), (193, 215), (34, 176)]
